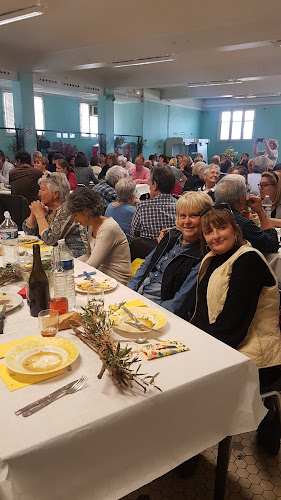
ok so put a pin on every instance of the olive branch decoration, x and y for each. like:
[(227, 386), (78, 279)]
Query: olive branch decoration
[(97, 335)]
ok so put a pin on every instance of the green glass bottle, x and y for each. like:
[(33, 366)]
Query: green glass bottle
[(38, 285)]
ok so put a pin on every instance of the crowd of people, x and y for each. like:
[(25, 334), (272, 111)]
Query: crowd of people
[(201, 233)]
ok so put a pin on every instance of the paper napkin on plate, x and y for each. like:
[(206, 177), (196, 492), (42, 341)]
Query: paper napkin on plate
[(4, 348), (130, 303), (16, 381), (164, 348)]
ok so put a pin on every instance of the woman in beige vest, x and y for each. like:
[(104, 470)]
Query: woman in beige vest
[(237, 295)]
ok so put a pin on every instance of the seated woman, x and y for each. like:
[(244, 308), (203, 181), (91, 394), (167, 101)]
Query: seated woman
[(238, 299), (64, 168), (270, 184), (83, 171), (49, 218), (41, 164), (197, 180), (212, 173), (168, 274), (108, 248), (122, 210)]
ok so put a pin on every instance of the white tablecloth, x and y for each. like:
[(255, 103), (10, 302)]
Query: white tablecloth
[(142, 189), (101, 443)]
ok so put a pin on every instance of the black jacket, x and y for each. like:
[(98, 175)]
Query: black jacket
[(177, 270)]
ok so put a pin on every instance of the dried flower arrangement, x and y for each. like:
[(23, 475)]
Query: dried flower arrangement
[(9, 275), (97, 334)]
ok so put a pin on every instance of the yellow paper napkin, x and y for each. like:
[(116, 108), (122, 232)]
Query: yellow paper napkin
[(16, 381), (135, 303), (4, 348), (161, 349)]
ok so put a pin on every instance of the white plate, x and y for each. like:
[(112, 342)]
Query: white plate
[(109, 283), (120, 319), (14, 300), (54, 354)]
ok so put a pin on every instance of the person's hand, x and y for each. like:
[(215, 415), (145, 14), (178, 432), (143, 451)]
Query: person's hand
[(37, 209), (162, 234), (256, 141), (255, 203), (136, 200)]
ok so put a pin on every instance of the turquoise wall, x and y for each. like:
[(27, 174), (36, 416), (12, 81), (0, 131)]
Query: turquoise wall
[(62, 114), (267, 123), (128, 118), (155, 122)]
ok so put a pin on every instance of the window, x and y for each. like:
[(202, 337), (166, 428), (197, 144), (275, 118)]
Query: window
[(237, 125), (39, 115), (9, 116), (88, 120)]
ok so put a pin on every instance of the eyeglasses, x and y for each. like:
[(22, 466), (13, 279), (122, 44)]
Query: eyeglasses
[(218, 206), (262, 186)]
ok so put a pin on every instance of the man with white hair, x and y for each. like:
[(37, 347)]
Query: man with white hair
[(216, 160), (106, 188), (260, 165), (232, 190)]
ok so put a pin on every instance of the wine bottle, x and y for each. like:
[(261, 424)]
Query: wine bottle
[(38, 285)]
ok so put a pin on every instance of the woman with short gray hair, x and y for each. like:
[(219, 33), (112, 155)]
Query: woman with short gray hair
[(108, 248), (198, 177), (122, 210), (49, 218)]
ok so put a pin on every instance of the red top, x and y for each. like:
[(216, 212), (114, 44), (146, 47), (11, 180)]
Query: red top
[(177, 189), (71, 177)]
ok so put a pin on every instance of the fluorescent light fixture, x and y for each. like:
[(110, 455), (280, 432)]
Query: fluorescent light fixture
[(142, 62), (254, 96), (212, 84), (21, 14)]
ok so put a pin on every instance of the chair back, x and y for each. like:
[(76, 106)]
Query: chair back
[(141, 247), (18, 207)]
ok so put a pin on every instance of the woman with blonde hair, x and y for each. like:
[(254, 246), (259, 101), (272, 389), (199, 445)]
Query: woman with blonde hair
[(168, 274)]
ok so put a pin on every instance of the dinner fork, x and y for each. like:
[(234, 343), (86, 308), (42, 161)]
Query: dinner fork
[(79, 384)]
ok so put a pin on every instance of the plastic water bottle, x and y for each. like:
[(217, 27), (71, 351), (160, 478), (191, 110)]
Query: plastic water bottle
[(65, 275), (9, 240), (267, 205)]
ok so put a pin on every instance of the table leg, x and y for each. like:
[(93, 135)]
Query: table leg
[(224, 451)]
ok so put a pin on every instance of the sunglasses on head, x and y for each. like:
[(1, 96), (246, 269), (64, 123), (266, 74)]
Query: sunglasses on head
[(218, 206)]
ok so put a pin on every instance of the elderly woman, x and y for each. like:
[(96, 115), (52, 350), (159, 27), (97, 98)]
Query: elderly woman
[(122, 210), (108, 248), (83, 171), (270, 184), (271, 149), (64, 168), (238, 298), (168, 274), (212, 173), (50, 219), (106, 188), (197, 180)]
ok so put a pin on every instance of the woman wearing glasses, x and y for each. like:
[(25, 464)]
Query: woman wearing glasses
[(50, 219), (238, 297), (270, 184)]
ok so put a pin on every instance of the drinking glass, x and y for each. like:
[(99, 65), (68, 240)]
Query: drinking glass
[(48, 322), (95, 295)]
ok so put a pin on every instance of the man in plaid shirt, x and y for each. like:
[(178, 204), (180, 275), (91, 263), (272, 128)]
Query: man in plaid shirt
[(159, 212), (106, 188)]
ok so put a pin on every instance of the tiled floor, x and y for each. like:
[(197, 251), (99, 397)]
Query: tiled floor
[(252, 475)]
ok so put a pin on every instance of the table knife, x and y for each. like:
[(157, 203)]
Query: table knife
[(2, 317), (40, 401)]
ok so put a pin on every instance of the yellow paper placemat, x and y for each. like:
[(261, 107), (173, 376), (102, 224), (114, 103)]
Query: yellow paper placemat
[(4, 348), (16, 381)]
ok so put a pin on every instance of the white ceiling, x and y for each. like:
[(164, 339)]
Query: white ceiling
[(212, 41)]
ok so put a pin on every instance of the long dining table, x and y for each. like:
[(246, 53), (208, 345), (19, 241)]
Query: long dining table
[(102, 443)]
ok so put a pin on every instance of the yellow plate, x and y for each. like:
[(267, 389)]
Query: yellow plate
[(151, 317), (57, 353)]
